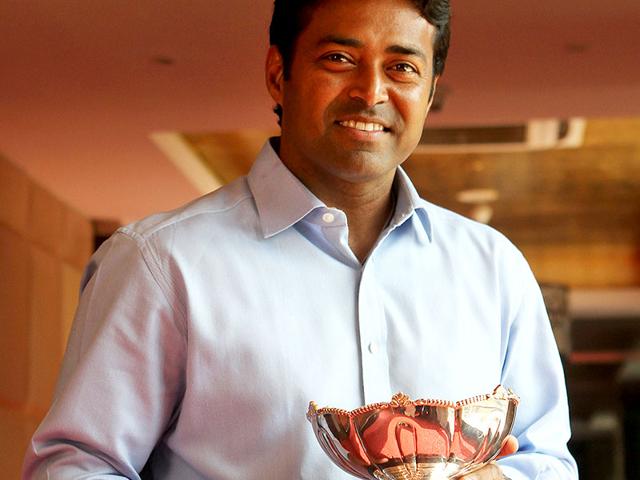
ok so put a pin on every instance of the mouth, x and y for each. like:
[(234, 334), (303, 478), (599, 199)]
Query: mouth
[(369, 127)]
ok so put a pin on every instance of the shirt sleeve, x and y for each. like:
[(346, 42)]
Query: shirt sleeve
[(532, 368), (122, 376)]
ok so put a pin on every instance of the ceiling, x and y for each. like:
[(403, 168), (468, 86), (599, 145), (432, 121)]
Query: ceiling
[(86, 83)]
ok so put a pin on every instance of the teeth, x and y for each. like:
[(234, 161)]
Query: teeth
[(365, 127)]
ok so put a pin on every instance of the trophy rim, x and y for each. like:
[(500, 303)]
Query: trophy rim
[(402, 400)]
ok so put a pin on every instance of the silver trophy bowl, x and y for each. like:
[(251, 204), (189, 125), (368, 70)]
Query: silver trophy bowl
[(416, 439)]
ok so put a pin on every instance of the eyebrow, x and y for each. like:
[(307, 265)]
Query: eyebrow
[(407, 50), (347, 42), (352, 42)]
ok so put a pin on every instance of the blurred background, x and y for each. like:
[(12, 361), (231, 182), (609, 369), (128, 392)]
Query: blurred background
[(111, 110)]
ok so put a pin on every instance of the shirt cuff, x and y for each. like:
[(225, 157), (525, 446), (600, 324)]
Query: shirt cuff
[(511, 473)]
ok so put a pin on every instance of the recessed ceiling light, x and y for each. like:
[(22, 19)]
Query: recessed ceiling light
[(477, 195), (163, 60), (576, 48)]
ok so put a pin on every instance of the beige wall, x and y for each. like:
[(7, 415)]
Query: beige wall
[(44, 246)]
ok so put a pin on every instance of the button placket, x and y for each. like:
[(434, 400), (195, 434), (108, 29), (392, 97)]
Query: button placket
[(333, 224), (375, 363)]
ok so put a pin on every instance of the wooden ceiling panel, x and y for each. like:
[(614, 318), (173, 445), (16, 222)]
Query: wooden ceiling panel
[(577, 195), (229, 155)]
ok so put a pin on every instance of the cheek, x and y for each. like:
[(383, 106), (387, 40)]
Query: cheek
[(301, 108), (419, 102), (414, 109), (319, 96)]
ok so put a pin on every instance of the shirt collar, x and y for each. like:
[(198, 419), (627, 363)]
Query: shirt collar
[(282, 200), (409, 206)]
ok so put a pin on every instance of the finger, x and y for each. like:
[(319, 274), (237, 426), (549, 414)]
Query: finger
[(509, 446), (488, 472)]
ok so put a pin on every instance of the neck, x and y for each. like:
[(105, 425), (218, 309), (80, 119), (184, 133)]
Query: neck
[(368, 208), (368, 203), (367, 220)]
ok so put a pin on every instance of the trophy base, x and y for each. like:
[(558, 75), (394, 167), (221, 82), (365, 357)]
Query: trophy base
[(415, 471)]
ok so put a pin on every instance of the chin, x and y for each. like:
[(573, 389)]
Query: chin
[(362, 166)]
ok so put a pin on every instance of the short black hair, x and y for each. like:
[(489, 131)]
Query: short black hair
[(291, 17)]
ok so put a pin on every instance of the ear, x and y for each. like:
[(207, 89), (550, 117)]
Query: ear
[(274, 74), (432, 93)]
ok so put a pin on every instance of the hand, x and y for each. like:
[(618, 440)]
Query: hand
[(492, 471)]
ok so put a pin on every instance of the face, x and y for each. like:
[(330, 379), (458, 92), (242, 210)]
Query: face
[(358, 92)]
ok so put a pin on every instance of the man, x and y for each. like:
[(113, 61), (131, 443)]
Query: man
[(202, 334)]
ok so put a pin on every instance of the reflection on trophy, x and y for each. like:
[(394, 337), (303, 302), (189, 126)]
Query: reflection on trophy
[(416, 440)]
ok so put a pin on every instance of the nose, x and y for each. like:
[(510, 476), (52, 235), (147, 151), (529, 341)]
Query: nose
[(369, 86)]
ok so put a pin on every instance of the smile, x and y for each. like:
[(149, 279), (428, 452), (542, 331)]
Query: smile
[(363, 126)]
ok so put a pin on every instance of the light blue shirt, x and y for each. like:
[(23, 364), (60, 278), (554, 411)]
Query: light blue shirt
[(202, 334)]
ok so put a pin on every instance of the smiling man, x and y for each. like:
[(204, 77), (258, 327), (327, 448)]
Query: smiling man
[(354, 96), (203, 333)]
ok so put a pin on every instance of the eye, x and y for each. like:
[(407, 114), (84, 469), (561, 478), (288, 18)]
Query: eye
[(337, 62), (336, 58), (404, 68)]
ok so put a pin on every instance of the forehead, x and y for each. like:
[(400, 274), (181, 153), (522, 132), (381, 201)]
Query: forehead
[(371, 22)]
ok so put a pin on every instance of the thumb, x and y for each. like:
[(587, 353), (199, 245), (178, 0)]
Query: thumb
[(509, 446)]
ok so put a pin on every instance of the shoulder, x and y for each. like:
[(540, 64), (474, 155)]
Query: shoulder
[(170, 241), (165, 244), (482, 253), (203, 217), (474, 246), (454, 229), (214, 207)]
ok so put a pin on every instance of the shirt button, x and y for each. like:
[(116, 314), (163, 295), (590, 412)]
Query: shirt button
[(373, 347), (328, 218)]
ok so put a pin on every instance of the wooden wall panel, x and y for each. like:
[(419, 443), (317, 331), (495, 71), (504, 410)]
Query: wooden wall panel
[(586, 265), (45, 352), (44, 246), (16, 429), (14, 197), (14, 311), (46, 220), (77, 239)]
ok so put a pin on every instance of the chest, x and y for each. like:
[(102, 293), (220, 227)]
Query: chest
[(295, 324)]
